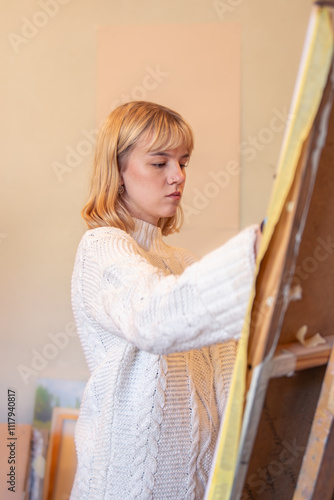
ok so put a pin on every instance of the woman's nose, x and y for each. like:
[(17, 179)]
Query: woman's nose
[(176, 175)]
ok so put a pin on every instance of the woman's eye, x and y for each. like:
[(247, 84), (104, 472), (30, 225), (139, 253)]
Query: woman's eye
[(159, 165)]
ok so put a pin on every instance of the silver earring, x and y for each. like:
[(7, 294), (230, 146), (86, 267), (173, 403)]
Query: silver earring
[(120, 189)]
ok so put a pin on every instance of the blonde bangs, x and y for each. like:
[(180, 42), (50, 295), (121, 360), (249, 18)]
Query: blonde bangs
[(168, 133)]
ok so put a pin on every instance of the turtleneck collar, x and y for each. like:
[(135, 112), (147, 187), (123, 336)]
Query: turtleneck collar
[(147, 235)]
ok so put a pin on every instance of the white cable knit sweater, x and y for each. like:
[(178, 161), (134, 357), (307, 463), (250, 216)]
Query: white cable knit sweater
[(150, 326)]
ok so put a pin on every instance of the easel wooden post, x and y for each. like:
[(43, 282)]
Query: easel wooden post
[(289, 325), (284, 414), (316, 477)]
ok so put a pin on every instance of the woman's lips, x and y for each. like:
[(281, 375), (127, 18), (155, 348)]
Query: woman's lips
[(175, 195)]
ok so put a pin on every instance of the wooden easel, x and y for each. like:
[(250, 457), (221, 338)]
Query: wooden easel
[(287, 442)]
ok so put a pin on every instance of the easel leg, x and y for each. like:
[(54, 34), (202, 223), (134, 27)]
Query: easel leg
[(316, 477)]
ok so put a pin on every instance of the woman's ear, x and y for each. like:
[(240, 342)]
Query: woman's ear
[(121, 177)]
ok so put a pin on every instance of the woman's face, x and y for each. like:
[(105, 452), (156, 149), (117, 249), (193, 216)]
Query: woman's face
[(154, 181)]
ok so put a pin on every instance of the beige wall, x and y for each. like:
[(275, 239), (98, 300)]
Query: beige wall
[(48, 99)]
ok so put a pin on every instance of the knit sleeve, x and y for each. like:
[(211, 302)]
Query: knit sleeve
[(129, 297)]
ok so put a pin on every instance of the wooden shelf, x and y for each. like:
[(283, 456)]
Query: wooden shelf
[(293, 357)]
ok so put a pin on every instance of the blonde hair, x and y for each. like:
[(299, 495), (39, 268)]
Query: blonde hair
[(125, 126)]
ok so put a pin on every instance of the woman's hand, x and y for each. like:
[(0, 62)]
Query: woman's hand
[(258, 240)]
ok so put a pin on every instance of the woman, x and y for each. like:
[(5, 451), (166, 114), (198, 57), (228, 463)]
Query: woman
[(159, 330)]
